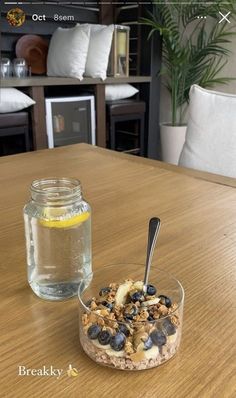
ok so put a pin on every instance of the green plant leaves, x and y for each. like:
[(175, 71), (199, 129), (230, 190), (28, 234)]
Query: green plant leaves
[(194, 51)]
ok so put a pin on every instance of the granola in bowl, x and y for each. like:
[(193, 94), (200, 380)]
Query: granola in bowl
[(125, 327)]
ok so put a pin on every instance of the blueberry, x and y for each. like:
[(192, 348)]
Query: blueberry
[(88, 303), (104, 337), (137, 296), (128, 317), (132, 312), (135, 310), (169, 327), (150, 318), (158, 337), (117, 342), (151, 290), (165, 300), (123, 329), (148, 343), (104, 291), (93, 331), (108, 305)]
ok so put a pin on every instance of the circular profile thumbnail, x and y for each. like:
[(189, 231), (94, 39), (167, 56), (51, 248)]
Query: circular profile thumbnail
[(16, 17)]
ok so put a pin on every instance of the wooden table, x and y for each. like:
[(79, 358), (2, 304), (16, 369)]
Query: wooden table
[(35, 87), (197, 244)]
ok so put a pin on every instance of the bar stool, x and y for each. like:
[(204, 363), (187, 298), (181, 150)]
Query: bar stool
[(14, 124), (125, 111)]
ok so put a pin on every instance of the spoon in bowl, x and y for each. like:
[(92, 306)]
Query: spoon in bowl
[(153, 232)]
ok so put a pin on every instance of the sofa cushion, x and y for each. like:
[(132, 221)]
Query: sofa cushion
[(67, 52), (99, 50), (210, 143), (119, 91), (13, 100)]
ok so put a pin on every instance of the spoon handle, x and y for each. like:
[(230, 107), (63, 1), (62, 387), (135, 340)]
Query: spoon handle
[(153, 231)]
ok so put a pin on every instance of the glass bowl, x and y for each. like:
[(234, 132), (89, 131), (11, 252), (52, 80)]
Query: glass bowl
[(136, 335)]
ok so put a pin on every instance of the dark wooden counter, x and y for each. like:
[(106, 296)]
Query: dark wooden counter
[(68, 81)]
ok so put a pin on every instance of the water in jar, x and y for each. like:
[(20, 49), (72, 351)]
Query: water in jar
[(58, 252)]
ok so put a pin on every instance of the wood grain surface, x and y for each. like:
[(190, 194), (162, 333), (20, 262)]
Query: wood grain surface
[(197, 244)]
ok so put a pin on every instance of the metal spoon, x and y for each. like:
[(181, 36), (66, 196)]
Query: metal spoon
[(153, 231)]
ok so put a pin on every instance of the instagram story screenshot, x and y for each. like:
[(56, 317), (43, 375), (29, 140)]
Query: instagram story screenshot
[(117, 117)]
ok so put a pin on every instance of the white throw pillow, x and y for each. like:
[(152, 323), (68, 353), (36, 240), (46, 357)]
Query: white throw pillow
[(67, 52), (13, 100), (99, 50), (119, 91), (210, 143)]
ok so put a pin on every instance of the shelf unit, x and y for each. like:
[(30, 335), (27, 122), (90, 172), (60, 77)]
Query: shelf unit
[(35, 87), (142, 73)]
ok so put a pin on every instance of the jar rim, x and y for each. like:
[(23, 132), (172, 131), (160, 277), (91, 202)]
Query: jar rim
[(54, 180), (55, 189)]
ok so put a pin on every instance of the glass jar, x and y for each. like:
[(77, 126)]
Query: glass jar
[(58, 238)]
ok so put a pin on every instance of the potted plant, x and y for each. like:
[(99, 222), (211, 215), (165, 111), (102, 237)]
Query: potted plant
[(194, 51)]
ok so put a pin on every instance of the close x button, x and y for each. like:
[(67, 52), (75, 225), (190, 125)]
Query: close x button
[(224, 17)]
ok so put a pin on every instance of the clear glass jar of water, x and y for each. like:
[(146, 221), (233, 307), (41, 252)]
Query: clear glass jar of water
[(58, 237)]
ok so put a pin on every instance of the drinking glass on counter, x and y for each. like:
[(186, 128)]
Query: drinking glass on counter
[(20, 68), (6, 68)]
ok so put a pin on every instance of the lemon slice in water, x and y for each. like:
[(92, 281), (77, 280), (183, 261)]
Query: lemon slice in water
[(69, 222)]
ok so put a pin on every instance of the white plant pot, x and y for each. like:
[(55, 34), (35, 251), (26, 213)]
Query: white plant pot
[(172, 141)]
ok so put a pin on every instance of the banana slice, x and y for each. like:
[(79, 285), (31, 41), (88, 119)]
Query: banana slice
[(152, 353), (172, 339), (150, 302), (137, 356), (122, 292), (139, 338), (113, 353), (98, 345), (140, 347), (138, 285)]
